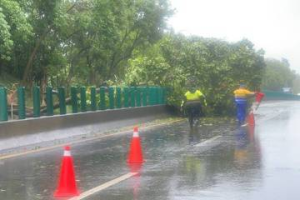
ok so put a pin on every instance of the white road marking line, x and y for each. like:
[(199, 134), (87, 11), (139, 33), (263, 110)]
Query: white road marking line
[(206, 142), (103, 186), (7, 156)]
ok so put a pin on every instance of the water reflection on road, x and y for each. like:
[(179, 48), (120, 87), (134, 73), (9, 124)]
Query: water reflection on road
[(233, 164), (249, 163)]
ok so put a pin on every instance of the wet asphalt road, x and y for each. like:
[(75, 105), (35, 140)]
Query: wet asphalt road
[(207, 163)]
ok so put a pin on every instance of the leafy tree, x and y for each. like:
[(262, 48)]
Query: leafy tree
[(14, 29), (110, 33), (61, 42), (65, 42), (278, 75), (216, 66)]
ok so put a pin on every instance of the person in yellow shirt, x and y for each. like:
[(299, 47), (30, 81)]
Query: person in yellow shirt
[(241, 96), (192, 104)]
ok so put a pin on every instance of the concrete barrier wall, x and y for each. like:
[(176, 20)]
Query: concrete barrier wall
[(29, 131)]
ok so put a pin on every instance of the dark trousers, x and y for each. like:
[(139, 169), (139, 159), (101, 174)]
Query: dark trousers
[(193, 110), (241, 108)]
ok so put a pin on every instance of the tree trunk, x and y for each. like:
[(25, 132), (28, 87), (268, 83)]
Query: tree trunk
[(34, 51), (32, 56)]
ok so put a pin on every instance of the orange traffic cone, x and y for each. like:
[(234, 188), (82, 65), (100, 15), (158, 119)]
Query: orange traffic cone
[(251, 120), (135, 151), (67, 184)]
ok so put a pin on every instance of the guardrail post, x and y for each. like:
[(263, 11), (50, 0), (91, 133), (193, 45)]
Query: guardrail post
[(159, 89), (111, 98), (3, 104), (156, 95), (62, 100), (21, 103), (145, 96), (132, 96), (93, 99), (163, 95), (36, 102), (83, 99), (138, 97), (74, 99), (118, 96), (49, 101), (151, 96), (102, 98), (126, 97)]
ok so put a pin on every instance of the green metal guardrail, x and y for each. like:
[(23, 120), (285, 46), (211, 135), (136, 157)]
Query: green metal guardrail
[(49, 101), (36, 102), (62, 102), (3, 105), (109, 98), (126, 97), (74, 100), (21, 103), (275, 95), (119, 97), (83, 105), (93, 99), (102, 98)]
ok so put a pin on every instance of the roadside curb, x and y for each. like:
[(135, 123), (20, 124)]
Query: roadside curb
[(127, 130)]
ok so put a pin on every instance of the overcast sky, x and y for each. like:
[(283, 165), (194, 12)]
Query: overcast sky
[(273, 25)]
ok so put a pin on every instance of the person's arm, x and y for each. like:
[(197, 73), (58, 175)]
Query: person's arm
[(204, 100), (249, 93), (183, 102), (201, 95), (259, 96)]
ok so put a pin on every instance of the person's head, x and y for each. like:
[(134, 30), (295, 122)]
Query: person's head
[(192, 89), (242, 85), (191, 83)]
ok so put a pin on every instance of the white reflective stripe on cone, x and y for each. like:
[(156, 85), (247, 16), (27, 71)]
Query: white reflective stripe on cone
[(135, 134), (67, 153)]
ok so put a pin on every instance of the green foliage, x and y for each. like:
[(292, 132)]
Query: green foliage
[(58, 42), (14, 27), (7, 80), (215, 66), (6, 43), (279, 75), (65, 42)]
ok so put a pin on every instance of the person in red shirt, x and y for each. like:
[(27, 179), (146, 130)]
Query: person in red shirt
[(258, 98)]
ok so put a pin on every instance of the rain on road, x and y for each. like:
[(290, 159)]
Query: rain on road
[(213, 162)]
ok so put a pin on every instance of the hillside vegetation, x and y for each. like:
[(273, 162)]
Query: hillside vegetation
[(96, 42)]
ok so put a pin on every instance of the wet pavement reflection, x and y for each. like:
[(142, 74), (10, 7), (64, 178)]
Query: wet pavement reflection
[(216, 161), (245, 165)]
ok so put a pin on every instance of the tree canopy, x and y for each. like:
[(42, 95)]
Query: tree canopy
[(216, 66), (65, 42), (279, 75)]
